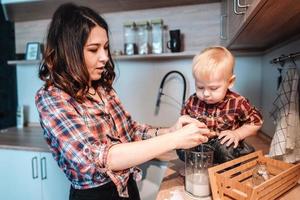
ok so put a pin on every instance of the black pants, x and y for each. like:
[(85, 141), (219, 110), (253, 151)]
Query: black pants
[(105, 192)]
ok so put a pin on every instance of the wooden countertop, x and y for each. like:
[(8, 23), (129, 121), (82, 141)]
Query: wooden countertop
[(172, 186), (27, 138)]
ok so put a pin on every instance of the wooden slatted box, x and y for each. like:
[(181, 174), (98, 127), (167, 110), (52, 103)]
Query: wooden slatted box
[(233, 180)]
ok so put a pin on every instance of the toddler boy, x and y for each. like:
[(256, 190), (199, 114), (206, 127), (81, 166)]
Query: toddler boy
[(225, 112)]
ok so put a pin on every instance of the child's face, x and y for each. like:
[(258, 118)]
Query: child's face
[(212, 89)]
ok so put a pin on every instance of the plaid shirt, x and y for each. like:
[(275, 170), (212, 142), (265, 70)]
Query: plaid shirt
[(80, 135), (229, 114)]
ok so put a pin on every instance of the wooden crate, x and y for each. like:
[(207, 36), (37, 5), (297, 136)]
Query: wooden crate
[(233, 180)]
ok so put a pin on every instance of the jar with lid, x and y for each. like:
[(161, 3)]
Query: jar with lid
[(260, 173), (143, 37), (130, 46), (157, 36)]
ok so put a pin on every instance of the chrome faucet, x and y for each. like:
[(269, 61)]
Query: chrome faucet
[(160, 92)]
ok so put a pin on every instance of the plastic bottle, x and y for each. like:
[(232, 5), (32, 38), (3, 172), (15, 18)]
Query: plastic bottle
[(20, 116)]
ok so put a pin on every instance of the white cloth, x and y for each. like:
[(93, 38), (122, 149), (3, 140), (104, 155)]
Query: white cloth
[(286, 140)]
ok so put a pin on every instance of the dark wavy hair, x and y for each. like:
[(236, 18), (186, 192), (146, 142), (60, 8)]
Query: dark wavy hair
[(63, 65)]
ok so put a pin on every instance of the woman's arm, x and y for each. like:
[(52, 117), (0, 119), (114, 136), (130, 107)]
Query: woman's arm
[(182, 121), (126, 155)]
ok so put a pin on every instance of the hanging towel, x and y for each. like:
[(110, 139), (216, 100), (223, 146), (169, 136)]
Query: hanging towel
[(285, 144)]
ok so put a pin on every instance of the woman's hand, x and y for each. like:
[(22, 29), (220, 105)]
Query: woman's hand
[(191, 135), (229, 137), (184, 120)]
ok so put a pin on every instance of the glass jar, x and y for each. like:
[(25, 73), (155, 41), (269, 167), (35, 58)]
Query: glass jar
[(197, 162), (157, 36), (130, 47), (143, 37), (260, 173)]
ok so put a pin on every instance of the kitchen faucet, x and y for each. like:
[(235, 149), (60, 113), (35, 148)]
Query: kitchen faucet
[(160, 92)]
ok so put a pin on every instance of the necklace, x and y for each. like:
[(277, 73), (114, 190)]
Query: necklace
[(92, 93), (103, 103)]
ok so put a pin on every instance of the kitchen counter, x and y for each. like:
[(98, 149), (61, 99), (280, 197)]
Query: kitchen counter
[(27, 138), (172, 186)]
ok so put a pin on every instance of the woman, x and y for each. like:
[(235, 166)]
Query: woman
[(93, 139)]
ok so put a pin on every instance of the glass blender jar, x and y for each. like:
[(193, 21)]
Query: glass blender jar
[(197, 162)]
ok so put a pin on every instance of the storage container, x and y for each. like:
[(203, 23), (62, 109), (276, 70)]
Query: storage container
[(157, 36), (233, 179), (129, 33), (143, 37)]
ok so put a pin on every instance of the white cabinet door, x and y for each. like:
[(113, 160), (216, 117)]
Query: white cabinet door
[(31, 176), (20, 175), (55, 184)]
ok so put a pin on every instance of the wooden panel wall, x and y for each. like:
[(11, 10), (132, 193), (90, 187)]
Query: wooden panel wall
[(31, 31), (199, 25)]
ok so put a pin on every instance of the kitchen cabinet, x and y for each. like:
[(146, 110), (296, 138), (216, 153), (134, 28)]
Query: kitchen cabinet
[(237, 13), (34, 175), (55, 184), (258, 25), (19, 174)]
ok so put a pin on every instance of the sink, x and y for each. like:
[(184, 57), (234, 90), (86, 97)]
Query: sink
[(153, 173)]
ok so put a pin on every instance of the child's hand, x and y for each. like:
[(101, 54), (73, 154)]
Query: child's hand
[(229, 137)]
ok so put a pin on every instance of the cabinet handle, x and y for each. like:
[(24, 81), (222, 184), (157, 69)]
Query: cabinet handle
[(43, 168), (242, 6), (236, 4), (34, 167), (222, 31)]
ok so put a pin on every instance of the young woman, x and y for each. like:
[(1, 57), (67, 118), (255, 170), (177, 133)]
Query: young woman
[(93, 139)]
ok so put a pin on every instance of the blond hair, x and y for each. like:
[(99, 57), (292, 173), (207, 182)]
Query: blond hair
[(212, 59)]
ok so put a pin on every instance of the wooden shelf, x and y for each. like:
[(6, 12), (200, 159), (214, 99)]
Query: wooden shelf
[(23, 62), (178, 55)]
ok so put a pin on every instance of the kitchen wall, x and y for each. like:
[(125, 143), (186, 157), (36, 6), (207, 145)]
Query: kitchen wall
[(138, 85), (196, 34), (143, 76), (269, 81), (138, 82)]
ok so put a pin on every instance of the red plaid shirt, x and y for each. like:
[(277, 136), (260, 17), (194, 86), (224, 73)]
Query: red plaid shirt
[(80, 135), (229, 114)]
